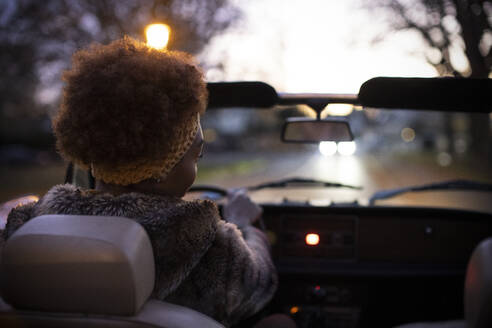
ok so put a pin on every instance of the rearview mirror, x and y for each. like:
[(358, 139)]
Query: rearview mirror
[(302, 130)]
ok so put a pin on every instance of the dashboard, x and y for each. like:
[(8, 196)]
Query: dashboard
[(355, 266)]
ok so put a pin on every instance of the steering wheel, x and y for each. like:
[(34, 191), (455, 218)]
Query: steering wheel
[(221, 193)]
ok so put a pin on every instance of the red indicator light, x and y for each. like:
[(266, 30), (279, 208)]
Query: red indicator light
[(312, 239), (294, 310)]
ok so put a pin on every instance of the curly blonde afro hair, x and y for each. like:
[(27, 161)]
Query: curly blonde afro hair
[(129, 112)]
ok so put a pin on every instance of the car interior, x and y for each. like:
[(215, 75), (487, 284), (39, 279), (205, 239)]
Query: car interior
[(85, 271), (342, 265)]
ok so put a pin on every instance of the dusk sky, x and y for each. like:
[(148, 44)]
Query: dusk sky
[(313, 46)]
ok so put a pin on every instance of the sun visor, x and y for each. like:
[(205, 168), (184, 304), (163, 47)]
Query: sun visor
[(440, 94), (241, 94)]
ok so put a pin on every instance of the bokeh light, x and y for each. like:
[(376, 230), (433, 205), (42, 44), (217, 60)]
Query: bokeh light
[(312, 239), (157, 35), (444, 159), (338, 109), (294, 310), (346, 148), (328, 148), (408, 134)]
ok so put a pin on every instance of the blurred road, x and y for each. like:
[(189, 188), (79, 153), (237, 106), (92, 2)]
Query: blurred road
[(371, 172)]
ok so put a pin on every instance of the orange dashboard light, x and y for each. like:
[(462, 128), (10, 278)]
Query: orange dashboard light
[(294, 310), (312, 239)]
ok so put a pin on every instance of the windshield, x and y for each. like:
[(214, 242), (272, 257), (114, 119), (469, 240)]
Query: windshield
[(392, 149), (243, 148), (295, 46)]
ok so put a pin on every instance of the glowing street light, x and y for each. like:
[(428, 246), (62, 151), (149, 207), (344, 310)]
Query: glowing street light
[(157, 35)]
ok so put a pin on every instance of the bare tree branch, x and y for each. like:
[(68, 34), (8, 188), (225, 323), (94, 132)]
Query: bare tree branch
[(36, 34), (427, 17)]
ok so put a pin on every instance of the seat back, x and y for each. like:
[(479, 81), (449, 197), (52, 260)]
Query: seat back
[(70, 263), (84, 271), (478, 287)]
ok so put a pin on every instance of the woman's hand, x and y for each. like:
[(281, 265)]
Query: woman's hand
[(240, 209)]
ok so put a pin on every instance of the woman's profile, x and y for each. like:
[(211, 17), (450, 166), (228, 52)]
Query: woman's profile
[(131, 115)]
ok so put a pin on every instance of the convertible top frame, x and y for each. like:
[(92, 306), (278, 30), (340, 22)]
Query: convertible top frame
[(437, 94)]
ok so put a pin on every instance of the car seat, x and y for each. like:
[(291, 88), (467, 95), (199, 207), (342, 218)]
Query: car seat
[(84, 271), (478, 287), (478, 293)]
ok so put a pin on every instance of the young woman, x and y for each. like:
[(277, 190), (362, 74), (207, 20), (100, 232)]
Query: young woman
[(131, 114)]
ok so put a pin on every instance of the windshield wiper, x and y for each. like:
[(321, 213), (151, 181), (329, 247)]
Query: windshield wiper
[(289, 182), (447, 185), (301, 182)]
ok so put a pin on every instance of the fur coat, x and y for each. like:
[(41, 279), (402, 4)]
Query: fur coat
[(202, 262)]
